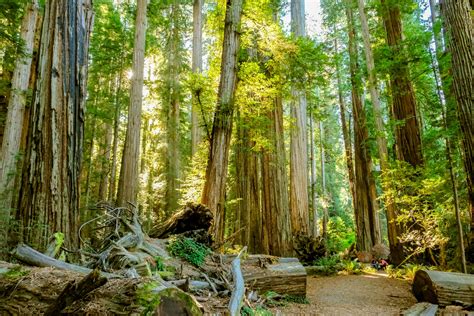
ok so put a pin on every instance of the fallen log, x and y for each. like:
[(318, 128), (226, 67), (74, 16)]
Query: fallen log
[(444, 288), (33, 290), (281, 275), (74, 291), (421, 309), (192, 217), (32, 257)]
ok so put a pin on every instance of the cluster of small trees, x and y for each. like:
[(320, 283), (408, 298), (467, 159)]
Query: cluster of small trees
[(257, 127)]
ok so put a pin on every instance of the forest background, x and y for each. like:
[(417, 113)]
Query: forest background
[(359, 134)]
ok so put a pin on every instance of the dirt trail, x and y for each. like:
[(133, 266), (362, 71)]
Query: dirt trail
[(367, 294)]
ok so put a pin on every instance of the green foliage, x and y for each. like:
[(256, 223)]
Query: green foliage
[(329, 265), (147, 298), (188, 249), (341, 236), (257, 311), (406, 272)]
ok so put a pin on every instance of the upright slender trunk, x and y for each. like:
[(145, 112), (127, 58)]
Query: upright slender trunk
[(345, 131), (10, 149), (105, 163), (213, 194), (196, 68), (314, 195), (172, 131), (298, 142), (367, 221), (407, 134), (113, 167), (128, 181), (379, 126), (460, 27), (89, 161), (324, 202), (50, 187)]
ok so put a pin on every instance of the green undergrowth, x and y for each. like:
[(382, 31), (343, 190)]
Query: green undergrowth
[(406, 272), (333, 265), (257, 311), (189, 250)]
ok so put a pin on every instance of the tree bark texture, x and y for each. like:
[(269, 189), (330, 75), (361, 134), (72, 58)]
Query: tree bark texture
[(444, 288), (366, 215), (275, 203), (10, 149), (314, 195), (196, 68), (460, 25), (248, 188), (172, 119), (379, 125), (213, 194), (407, 133), (113, 166), (50, 187), (128, 181), (299, 207)]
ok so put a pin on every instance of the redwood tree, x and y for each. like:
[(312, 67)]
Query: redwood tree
[(128, 181), (460, 25), (213, 194), (50, 186)]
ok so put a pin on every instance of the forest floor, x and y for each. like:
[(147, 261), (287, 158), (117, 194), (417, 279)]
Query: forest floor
[(366, 294)]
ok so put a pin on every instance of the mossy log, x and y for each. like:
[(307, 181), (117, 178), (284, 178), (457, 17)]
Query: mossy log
[(444, 288), (32, 291)]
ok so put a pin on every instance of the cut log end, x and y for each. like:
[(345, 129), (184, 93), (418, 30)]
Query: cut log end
[(444, 288)]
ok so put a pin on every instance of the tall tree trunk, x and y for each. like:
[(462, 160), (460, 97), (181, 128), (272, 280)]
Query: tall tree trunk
[(367, 222), (10, 149), (196, 68), (50, 187), (247, 180), (314, 195), (324, 199), (172, 131), (345, 131), (113, 167), (460, 27), (380, 129), (89, 160), (275, 203), (407, 134), (213, 194), (128, 181), (105, 167), (298, 142)]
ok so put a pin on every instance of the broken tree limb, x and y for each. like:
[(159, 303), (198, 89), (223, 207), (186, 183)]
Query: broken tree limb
[(444, 288), (191, 217), (32, 257), (237, 296), (76, 290)]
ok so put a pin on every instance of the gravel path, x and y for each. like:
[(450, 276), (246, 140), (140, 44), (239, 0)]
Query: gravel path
[(367, 294)]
